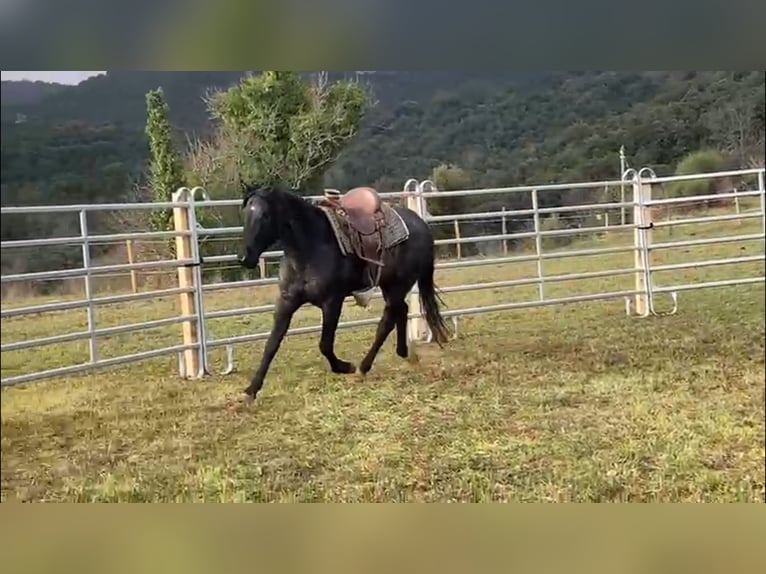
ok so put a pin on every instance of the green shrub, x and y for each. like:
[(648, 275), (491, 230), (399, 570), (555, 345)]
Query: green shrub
[(703, 161)]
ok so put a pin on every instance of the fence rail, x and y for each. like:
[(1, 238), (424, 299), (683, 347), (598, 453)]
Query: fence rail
[(196, 339)]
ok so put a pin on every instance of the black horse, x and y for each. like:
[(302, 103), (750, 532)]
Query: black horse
[(314, 270)]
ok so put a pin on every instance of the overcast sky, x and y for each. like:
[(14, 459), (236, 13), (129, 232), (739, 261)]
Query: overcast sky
[(60, 77)]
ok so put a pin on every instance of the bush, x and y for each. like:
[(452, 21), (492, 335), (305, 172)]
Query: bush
[(703, 161)]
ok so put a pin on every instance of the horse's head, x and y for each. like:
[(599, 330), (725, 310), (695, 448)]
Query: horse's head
[(260, 225)]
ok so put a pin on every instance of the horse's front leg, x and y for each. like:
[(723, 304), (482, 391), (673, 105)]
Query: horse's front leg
[(283, 314), (330, 316)]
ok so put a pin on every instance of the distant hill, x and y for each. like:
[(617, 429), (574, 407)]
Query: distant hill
[(105, 115), (561, 127), (17, 95), (118, 97), (28, 93), (502, 128)]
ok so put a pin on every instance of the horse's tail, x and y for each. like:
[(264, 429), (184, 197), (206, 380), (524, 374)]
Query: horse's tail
[(430, 301)]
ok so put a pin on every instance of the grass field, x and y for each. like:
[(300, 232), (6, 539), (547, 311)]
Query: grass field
[(562, 403)]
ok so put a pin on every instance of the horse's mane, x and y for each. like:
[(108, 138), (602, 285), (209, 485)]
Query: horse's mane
[(294, 211), (274, 194)]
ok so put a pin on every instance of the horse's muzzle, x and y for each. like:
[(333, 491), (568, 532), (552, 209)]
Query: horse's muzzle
[(248, 262)]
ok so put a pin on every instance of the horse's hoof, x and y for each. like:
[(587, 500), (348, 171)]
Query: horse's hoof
[(413, 357), (403, 353), (235, 405), (345, 368)]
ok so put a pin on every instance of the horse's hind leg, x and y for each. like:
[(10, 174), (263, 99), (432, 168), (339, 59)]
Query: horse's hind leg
[(385, 326), (394, 315), (330, 316), (402, 348)]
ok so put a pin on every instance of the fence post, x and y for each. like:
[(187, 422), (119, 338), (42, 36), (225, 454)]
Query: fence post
[(538, 246), (184, 250), (417, 329), (458, 246), (131, 261), (86, 263), (504, 230), (623, 165), (762, 189), (642, 240)]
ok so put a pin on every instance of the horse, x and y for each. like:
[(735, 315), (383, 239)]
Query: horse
[(315, 270)]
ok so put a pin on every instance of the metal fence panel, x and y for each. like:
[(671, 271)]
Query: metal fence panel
[(640, 251)]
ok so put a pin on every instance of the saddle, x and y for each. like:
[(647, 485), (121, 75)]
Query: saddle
[(361, 209)]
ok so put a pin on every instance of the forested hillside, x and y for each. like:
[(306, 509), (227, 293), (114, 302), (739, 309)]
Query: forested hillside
[(564, 128), (118, 97), (101, 121), (86, 143)]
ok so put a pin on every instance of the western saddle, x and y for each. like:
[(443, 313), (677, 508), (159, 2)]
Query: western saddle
[(361, 208)]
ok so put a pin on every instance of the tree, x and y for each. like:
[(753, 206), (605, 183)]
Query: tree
[(730, 125), (165, 171), (277, 129)]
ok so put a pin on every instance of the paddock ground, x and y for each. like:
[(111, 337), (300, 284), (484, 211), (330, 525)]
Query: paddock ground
[(565, 403)]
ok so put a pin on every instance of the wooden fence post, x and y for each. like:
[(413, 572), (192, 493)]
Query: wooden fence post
[(262, 267), (642, 239), (504, 230), (457, 236), (186, 280), (131, 260)]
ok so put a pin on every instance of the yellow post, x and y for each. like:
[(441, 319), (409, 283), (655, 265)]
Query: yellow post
[(642, 239), (131, 260), (186, 280), (417, 329), (504, 230)]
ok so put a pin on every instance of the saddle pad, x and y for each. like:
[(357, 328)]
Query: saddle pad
[(394, 232)]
